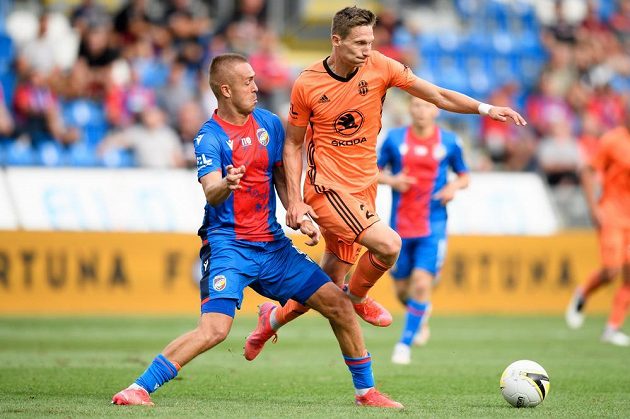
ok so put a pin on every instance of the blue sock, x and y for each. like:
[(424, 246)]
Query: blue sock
[(415, 313), (159, 372), (361, 370)]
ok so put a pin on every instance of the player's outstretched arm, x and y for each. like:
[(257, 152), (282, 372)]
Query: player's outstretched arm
[(217, 188), (453, 101), (292, 162)]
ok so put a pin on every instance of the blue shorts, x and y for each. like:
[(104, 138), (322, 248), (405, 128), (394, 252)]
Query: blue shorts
[(276, 270), (426, 253)]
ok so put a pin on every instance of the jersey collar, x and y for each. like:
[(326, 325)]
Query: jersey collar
[(337, 77)]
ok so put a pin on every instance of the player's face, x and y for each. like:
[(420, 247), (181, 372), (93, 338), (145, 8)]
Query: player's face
[(423, 113), (356, 47), (243, 88)]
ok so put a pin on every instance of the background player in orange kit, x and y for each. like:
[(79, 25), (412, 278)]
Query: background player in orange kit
[(340, 100), (611, 216)]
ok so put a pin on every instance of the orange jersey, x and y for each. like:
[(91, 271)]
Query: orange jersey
[(612, 160), (344, 119)]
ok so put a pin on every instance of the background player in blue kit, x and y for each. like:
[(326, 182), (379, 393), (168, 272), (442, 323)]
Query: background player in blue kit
[(239, 156), (418, 158)]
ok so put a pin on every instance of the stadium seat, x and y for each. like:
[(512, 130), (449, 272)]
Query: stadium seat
[(89, 117), (82, 155), (20, 153), (118, 159), (50, 154)]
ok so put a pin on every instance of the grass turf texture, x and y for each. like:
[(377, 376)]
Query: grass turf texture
[(71, 367)]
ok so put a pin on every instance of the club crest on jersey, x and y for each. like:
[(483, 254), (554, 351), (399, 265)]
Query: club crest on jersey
[(219, 282), (363, 88), (263, 136), (439, 151)]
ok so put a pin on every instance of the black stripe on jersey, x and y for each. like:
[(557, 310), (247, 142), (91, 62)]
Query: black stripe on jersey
[(310, 160), (538, 379), (343, 211)]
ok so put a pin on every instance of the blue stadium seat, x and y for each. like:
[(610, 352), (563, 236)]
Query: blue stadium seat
[(82, 155), (50, 154), (118, 159), (89, 117), (19, 153)]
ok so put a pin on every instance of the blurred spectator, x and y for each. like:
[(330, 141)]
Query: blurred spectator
[(546, 106), (605, 103), (177, 91), (620, 21), (6, 120), (38, 54), (97, 52), (272, 74), (558, 155), (154, 144), (88, 14), (190, 117), (37, 112), (562, 30), (133, 21), (241, 31)]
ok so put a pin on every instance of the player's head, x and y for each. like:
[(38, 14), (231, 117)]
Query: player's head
[(352, 34), (232, 82), (422, 113)]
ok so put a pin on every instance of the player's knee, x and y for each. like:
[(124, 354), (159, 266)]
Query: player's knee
[(390, 247), (609, 274), (213, 337), (338, 308)]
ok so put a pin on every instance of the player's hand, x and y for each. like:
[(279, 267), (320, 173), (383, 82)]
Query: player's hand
[(233, 177), (308, 228), (502, 113), (402, 182), (446, 194), (296, 213)]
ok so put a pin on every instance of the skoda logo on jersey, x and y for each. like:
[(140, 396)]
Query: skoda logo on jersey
[(263, 136), (219, 282), (439, 151), (348, 122)]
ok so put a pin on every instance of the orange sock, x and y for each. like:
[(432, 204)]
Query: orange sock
[(593, 282), (620, 306), (368, 271), (291, 310)]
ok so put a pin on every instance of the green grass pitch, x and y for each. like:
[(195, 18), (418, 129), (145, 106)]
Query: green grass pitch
[(70, 367)]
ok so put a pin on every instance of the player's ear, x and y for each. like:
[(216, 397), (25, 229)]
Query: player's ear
[(336, 40), (226, 91)]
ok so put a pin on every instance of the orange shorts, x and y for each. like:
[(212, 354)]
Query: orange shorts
[(614, 246), (343, 216)]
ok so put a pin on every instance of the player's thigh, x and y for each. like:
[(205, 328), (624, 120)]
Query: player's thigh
[(612, 247), (342, 216), (288, 273), (226, 271)]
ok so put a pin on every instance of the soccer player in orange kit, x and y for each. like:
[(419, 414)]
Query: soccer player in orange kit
[(611, 216), (336, 107)]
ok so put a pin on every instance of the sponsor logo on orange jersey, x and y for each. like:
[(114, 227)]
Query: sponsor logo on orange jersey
[(348, 122)]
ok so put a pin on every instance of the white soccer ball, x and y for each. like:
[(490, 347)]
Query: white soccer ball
[(524, 383)]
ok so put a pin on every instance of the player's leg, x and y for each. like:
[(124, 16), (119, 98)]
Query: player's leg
[(212, 329), (611, 254), (221, 289), (284, 278), (621, 302), (344, 219), (333, 304)]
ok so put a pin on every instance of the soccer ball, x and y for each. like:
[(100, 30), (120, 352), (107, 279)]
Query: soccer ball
[(524, 383)]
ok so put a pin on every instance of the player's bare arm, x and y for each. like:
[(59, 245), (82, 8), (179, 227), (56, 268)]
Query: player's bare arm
[(588, 177), (453, 101), (280, 182), (446, 194), (217, 188), (292, 161), (400, 182)]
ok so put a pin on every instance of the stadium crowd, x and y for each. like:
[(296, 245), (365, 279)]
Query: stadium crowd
[(128, 87)]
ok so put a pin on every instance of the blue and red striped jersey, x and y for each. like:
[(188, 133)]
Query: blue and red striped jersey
[(248, 213), (428, 161)]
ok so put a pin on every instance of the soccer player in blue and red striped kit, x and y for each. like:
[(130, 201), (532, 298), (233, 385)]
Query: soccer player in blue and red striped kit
[(419, 157), (239, 165)]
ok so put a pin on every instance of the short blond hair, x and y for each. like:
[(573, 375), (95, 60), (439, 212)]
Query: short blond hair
[(220, 69)]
